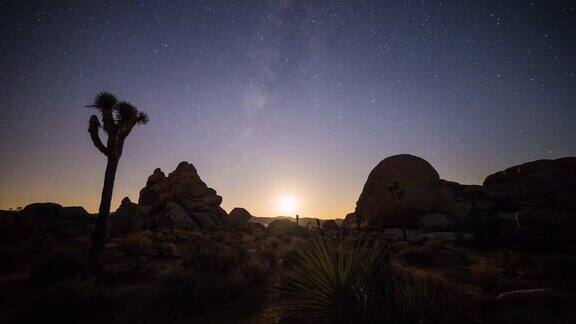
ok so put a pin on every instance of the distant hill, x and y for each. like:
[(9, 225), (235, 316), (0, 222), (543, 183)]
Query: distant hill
[(304, 221)]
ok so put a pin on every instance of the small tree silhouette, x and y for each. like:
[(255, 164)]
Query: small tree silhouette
[(118, 117), (397, 195)]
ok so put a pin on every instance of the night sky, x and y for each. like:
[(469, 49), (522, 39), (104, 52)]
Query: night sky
[(281, 98)]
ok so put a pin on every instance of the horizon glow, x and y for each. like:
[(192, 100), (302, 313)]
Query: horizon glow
[(274, 98)]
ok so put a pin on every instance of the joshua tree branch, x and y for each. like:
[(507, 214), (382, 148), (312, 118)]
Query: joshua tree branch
[(93, 127)]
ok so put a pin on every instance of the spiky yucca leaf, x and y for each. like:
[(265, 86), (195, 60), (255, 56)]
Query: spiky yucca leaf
[(104, 101), (332, 282), (142, 118), (126, 112)]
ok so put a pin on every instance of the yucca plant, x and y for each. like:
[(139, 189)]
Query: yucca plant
[(333, 282), (348, 283), (118, 120)]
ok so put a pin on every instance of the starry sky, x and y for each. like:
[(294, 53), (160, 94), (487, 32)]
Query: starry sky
[(273, 99)]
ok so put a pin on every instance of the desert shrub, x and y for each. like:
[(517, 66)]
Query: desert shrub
[(489, 230), (254, 273), (406, 299), (270, 256), (9, 255), (66, 302), (59, 266), (333, 283), (211, 256), (484, 274), (138, 266), (136, 244), (417, 256), (182, 293), (165, 250)]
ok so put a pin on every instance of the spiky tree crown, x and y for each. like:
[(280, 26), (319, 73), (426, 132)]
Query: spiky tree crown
[(118, 119)]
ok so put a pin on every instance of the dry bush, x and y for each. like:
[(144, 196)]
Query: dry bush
[(214, 256), (67, 302), (165, 250), (417, 256), (484, 274), (58, 266), (136, 244), (183, 293)]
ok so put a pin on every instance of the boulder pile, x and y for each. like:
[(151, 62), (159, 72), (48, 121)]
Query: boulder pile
[(181, 199), (535, 199)]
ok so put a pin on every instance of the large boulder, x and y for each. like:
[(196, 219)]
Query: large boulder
[(330, 225), (56, 220), (436, 222), (424, 192), (184, 198), (549, 184), (533, 306), (544, 218), (281, 227), (239, 218)]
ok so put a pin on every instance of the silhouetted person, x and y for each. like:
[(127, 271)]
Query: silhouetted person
[(297, 219)]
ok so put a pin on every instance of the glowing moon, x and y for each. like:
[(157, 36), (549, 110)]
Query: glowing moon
[(287, 205)]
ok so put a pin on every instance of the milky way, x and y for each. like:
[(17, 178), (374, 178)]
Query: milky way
[(275, 98)]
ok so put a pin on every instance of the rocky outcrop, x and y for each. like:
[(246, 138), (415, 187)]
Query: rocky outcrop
[(528, 203), (436, 222), (52, 211), (239, 218), (286, 227), (424, 192), (549, 184), (533, 306), (127, 217), (183, 199), (330, 225)]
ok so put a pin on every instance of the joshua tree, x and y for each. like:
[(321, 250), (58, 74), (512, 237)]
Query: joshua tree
[(397, 195), (118, 119)]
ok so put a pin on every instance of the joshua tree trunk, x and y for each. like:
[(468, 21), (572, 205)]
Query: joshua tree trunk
[(99, 241), (119, 118)]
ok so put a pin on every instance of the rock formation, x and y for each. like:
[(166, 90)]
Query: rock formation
[(424, 193), (549, 184), (239, 218), (330, 225), (535, 201), (181, 199)]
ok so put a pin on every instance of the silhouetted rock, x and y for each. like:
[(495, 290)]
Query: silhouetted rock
[(544, 218), (424, 192), (436, 222), (448, 237), (286, 227), (182, 193), (330, 225), (155, 184), (239, 218), (396, 234), (549, 184), (50, 211), (127, 217), (349, 220), (534, 306)]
